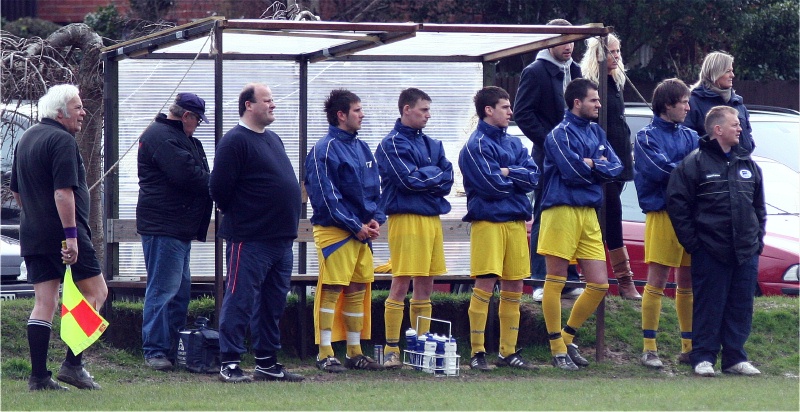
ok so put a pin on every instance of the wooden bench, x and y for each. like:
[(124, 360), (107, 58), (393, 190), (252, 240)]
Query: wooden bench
[(124, 230)]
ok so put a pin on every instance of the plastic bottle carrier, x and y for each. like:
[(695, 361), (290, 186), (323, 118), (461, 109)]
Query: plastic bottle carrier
[(436, 356)]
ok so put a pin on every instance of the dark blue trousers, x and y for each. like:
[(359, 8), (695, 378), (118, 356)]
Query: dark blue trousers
[(259, 274), (723, 308)]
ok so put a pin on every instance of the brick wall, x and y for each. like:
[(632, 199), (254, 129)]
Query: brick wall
[(73, 11)]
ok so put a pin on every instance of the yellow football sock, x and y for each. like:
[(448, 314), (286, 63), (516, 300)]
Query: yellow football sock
[(478, 312), (327, 307), (509, 321), (684, 299), (353, 311), (584, 307), (651, 313), (551, 309), (420, 308), (393, 317)]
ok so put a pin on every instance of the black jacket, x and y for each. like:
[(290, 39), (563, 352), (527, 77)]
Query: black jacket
[(717, 203), (539, 104), (173, 183), (617, 132)]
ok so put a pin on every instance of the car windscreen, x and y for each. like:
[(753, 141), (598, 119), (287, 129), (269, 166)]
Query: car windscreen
[(778, 140)]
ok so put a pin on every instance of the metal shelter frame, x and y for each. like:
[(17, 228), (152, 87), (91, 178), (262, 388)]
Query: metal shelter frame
[(311, 42)]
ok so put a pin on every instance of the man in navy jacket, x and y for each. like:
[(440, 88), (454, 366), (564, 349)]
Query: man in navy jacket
[(343, 186), (415, 178), (578, 160)]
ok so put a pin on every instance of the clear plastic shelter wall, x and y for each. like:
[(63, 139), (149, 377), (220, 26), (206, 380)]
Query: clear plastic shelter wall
[(147, 87)]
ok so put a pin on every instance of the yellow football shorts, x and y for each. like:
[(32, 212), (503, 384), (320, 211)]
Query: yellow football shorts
[(660, 242), (571, 233), (499, 248), (416, 245), (342, 257)]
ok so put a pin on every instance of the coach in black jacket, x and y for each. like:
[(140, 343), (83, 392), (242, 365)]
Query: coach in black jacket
[(715, 200), (174, 208)]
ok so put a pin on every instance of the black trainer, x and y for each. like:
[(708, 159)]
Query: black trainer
[(572, 351), (479, 362), (363, 362), (562, 361), (515, 361), (233, 373), (275, 372), (45, 384), (331, 365), (76, 376)]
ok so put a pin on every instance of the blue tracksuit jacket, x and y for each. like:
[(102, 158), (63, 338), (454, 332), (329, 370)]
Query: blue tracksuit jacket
[(342, 182), (567, 179), (415, 174), (490, 195), (658, 149)]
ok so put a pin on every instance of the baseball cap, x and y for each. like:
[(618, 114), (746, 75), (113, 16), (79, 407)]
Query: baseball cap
[(192, 103)]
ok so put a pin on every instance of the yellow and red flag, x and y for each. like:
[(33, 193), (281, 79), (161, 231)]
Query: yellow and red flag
[(81, 325)]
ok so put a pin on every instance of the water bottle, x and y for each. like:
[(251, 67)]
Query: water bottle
[(450, 353), (411, 345), (420, 349), (440, 341), (429, 356)]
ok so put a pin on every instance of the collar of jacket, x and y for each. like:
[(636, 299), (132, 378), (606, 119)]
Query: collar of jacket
[(162, 118), (494, 132), (711, 146), (576, 120), (407, 131), (706, 93), (53, 122), (338, 133), (665, 125)]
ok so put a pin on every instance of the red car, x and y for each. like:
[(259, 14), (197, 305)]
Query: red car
[(778, 265)]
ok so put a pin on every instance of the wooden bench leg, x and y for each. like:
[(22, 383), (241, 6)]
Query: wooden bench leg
[(301, 322), (600, 332)]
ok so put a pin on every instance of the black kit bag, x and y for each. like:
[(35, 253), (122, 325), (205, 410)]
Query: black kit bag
[(198, 348)]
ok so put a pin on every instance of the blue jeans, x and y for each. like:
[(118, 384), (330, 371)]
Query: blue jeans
[(259, 273), (538, 267), (723, 308), (166, 299)]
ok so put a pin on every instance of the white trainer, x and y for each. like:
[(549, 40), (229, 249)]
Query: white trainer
[(573, 294), (743, 368), (538, 294), (704, 368), (651, 360)]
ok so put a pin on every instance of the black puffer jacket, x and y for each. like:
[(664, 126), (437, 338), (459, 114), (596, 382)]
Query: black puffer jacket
[(717, 203), (617, 132), (173, 183)]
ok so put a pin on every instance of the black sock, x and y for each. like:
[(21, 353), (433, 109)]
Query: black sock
[(265, 359), (73, 359), (38, 342)]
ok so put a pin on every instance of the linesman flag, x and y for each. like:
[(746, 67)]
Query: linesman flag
[(81, 325)]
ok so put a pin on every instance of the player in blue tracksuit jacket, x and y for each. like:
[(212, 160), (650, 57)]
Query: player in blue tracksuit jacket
[(343, 186), (498, 173), (415, 178), (659, 148), (577, 160)]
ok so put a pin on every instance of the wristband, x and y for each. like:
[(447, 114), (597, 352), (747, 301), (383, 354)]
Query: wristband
[(71, 232)]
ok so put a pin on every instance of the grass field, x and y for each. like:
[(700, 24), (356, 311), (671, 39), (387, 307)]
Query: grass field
[(619, 383)]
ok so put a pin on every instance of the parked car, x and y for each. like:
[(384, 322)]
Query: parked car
[(14, 120), (777, 133)]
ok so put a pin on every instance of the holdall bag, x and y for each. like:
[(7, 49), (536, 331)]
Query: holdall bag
[(198, 348)]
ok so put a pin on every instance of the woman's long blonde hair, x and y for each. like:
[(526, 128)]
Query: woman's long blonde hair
[(590, 64)]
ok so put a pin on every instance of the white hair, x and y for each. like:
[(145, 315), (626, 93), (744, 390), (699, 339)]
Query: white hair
[(55, 100), (590, 64)]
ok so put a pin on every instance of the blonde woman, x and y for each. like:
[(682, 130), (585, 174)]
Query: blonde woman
[(618, 135), (715, 88)]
